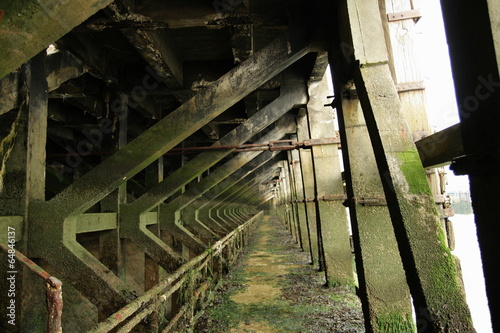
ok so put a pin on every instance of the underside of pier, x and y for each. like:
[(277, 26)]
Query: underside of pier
[(141, 141)]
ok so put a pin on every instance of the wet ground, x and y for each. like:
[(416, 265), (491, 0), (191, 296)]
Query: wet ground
[(273, 288)]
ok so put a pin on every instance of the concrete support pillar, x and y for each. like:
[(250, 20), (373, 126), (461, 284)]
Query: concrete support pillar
[(112, 249), (293, 199), (332, 215), (307, 169), (22, 180), (430, 268), (383, 289), (154, 175), (300, 204), (287, 197)]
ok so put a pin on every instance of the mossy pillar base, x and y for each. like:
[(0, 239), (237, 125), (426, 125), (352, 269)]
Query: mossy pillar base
[(430, 268)]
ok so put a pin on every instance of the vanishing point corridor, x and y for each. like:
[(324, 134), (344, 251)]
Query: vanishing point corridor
[(275, 289)]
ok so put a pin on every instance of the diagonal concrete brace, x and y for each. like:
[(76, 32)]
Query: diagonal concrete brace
[(186, 202), (170, 213), (132, 223), (216, 211)]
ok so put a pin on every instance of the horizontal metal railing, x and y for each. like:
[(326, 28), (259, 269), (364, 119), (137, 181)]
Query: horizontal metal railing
[(53, 291), (133, 313)]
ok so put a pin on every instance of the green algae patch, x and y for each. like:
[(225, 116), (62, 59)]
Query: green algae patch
[(395, 323), (280, 315), (7, 140), (412, 168)]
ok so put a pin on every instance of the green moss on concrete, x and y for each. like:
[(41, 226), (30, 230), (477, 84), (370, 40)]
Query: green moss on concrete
[(7, 144), (412, 168), (395, 323), (446, 293), (445, 298), (349, 284)]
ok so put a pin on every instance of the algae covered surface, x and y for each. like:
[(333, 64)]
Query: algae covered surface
[(273, 288)]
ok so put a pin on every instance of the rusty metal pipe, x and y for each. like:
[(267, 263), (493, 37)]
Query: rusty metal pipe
[(53, 291)]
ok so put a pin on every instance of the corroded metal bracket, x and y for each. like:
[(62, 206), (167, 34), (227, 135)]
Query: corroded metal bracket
[(332, 197), (367, 201)]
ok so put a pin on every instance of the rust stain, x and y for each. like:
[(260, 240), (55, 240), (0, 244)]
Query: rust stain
[(2, 12), (118, 316)]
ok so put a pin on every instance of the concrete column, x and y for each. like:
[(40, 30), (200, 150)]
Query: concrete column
[(300, 204), (332, 215), (307, 169), (287, 198), (383, 289), (154, 175), (22, 180), (430, 268), (293, 199)]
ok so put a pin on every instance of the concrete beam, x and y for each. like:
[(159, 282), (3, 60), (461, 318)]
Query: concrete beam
[(193, 200), (100, 63), (29, 27), (154, 46), (293, 94), (441, 148), (61, 67), (170, 213), (55, 222), (251, 181)]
